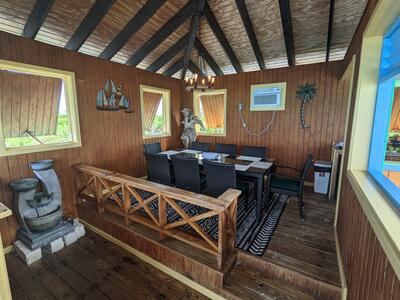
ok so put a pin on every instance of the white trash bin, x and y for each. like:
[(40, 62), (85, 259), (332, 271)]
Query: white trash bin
[(322, 175)]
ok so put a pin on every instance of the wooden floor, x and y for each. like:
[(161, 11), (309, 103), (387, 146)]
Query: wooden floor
[(307, 247), (93, 268)]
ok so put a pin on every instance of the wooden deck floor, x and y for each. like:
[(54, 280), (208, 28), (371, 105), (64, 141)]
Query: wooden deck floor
[(93, 268), (307, 247)]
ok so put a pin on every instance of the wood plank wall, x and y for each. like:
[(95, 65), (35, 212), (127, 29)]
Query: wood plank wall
[(287, 142), (368, 272), (110, 140)]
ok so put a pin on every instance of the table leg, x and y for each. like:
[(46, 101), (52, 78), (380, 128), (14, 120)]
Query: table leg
[(259, 205)]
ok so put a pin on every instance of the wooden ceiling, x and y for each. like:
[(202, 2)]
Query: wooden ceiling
[(235, 35)]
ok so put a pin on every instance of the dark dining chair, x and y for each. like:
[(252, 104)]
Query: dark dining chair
[(226, 148), (159, 169), (153, 148), (187, 174), (291, 186), (222, 176), (203, 147), (254, 151)]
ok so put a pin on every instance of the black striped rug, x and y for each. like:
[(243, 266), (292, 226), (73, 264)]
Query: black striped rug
[(251, 236)]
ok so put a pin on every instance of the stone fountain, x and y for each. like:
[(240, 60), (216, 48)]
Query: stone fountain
[(40, 213)]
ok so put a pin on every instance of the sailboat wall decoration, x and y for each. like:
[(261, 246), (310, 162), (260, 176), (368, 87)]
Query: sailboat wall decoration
[(112, 98)]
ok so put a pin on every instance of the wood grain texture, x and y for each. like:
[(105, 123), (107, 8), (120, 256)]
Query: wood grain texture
[(369, 274), (29, 102), (93, 268), (101, 130), (286, 141)]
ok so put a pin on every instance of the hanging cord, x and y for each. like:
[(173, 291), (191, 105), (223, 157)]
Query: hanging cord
[(253, 133)]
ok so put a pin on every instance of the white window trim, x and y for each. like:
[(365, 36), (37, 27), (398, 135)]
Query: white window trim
[(166, 110), (196, 107), (377, 207), (71, 103)]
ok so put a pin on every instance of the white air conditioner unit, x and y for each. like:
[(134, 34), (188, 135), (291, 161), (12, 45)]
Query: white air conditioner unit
[(269, 96)]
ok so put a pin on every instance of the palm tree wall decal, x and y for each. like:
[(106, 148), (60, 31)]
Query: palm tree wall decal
[(306, 94)]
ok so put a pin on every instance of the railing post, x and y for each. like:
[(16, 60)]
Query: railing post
[(99, 195), (162, 214), (126, 201)]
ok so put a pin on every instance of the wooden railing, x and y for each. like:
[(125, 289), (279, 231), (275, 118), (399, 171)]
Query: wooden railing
[(113, 192)]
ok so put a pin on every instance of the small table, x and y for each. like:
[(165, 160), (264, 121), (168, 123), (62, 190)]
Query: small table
[(5, 292), (244, 168)]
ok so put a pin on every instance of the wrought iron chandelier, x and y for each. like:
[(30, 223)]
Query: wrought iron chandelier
[(200, 80)]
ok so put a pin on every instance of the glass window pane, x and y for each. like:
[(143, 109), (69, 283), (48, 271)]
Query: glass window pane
[(212, 113), (393, 140), (394, 176), (153, 113)]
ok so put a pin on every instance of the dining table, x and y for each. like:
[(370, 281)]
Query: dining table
[(253, 168)]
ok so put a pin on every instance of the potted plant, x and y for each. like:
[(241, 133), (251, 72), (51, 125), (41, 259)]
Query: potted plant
[(306, 94)]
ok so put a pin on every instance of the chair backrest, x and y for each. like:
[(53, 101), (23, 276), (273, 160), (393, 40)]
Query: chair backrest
[(204, 147), (226, 148), (254, 151), (153, 148), (187, 173), (158, 168), (307, 165), (219, 176)]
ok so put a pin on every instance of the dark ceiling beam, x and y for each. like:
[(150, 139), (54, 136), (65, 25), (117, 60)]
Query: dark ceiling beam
[(36, 18), (244, 14), (168, 28), (212, 21), (169, 54), (330, 28), (141, 17), (194, 29), (96, 13), (207, 57), (175, 67), (286, 18), (194, 68)]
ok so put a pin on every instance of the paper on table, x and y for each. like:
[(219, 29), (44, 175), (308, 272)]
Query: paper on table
[(261, 164), (241, 167), (169, 153), (191, 151), (249, 158)]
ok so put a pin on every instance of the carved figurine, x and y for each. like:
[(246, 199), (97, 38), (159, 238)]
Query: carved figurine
[(189, 130)]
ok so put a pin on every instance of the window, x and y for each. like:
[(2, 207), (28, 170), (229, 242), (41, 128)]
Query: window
[(269, 96), (210, 107), (156, 111), (384, 161), (38, 109)]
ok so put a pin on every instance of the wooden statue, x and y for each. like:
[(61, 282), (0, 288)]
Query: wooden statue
[(189, 127)]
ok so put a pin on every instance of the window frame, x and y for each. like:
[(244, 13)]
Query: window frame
[(166, 110), (71, 104), (281, 106), (387, 83), (196, 108)]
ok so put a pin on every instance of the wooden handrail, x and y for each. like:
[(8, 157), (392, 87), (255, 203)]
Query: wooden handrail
[(102, 185)]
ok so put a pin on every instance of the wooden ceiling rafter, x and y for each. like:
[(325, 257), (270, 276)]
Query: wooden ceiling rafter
[(175, 67), (169, 27), (244, 14), (96, 13), (286, 18), (216, 28), (194, 68), (36, 18), (194, 29), (330, 29), (207, 56), (169, 54), (142, 16)]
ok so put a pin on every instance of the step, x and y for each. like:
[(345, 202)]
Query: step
[(295, 278), (246, 283)]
